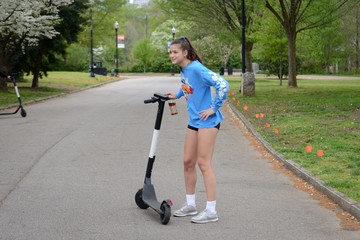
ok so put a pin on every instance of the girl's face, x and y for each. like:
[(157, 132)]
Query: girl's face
[(178, 56)]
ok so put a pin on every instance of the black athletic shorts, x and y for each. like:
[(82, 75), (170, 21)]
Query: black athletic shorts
[(196, 129)]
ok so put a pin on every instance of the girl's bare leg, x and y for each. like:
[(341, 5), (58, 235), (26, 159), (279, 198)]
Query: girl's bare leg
[(205, 149), (190, 157)]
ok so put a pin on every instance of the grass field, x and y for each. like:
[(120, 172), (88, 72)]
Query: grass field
[(323, 114), (55, 83)]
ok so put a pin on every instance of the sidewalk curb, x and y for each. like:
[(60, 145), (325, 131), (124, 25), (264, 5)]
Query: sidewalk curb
[(342, 200), (59, 95)]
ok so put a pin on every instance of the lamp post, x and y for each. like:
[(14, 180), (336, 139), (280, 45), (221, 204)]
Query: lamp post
[(172, 68), (91, 37), (242, 43), (243, 23), (116, 38)]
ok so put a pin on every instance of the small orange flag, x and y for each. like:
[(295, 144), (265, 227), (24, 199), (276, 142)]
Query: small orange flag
[(320, 153), (308, 148)]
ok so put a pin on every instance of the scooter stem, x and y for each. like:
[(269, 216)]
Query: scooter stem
[(155, 138)]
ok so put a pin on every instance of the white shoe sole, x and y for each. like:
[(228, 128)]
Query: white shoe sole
[(185, 214), (205, 221)]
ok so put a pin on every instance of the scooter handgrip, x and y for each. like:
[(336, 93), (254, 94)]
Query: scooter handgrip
[(152, 100)]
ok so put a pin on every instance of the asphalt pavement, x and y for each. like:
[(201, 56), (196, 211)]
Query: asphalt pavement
[(71, 168)]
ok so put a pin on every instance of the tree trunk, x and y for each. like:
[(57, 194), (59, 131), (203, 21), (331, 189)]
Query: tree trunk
[(248, 57), (3, 84), (3, 69), (37, 68), (292, 58)]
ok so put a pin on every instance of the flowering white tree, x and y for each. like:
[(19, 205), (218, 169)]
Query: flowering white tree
[(213, 51), (163, 34), (25, 21)]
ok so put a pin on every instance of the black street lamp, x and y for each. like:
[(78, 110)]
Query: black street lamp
[(173, 67), (117, 59), (91, 37), (243, 42), (243, 23)]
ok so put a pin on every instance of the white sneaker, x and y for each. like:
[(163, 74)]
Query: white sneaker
[(185, 210), (205, 217)]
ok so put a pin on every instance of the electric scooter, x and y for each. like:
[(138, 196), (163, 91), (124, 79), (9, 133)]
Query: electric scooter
[(22, 112), (146, 196)]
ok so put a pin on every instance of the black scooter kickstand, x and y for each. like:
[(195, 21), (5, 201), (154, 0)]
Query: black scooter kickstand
[(146, 196), (22, 112)]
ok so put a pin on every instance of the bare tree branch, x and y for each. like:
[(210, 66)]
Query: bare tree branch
[(267, 4), (303, 11)]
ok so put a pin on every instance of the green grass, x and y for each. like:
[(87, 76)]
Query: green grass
[(55, 83), (8, 97), (324, 114), (74, 79)]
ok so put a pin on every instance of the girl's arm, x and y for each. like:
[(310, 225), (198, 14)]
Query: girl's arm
[(175, 96), (221, 86)]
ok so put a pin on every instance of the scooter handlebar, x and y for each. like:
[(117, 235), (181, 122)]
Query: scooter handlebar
[(157, 97), (152, 100)]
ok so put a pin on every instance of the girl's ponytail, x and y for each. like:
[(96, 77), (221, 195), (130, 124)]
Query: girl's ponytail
[(185, 44)]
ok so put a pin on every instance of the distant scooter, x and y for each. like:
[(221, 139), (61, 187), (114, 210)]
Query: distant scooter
[(22, 112), (146, 196)]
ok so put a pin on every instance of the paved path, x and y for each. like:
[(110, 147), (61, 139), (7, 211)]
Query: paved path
[(70, 170)]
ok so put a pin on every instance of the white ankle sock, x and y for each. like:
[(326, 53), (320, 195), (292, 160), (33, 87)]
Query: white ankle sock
[(211, 206), (190, 199)]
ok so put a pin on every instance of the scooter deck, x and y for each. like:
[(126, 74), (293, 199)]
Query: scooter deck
[(149, 197)]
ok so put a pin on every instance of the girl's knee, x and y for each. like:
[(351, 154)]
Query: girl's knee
[(189, 163), (204, 165)]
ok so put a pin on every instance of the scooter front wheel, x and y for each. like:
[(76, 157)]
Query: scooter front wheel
[(23, 112), (139, 201), (165, 216)]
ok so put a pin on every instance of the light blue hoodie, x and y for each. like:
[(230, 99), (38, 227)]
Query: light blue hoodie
[(196, 85)]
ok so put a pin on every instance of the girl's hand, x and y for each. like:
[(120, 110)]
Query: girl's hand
[(171, 95), (206, 113)]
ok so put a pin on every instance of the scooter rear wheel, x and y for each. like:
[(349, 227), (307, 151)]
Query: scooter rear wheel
[(139, 201), (165, 216)]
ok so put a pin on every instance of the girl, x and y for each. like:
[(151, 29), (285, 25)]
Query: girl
[(204, 124)]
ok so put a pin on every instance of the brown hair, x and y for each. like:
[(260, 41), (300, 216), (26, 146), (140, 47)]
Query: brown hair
[(185, 44)]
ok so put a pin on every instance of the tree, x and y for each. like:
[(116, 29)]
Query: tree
[(214, 52), (25, 21), (144, 52), (296, 16), (104, 14), (223, 13), (351, 31), (163, 33), (271, 46), (38, 58)]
